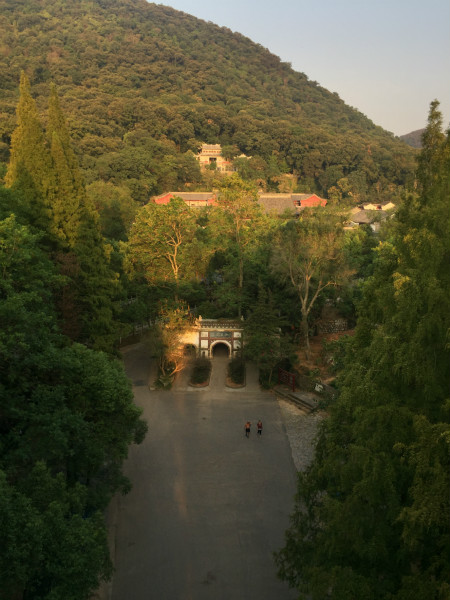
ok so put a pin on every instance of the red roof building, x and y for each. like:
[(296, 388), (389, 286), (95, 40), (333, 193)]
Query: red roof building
[(271, 203), (294, 203), (308, 200)]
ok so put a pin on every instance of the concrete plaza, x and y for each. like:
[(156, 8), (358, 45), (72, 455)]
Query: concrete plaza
[(208, 506)]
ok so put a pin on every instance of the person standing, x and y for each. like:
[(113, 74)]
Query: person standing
[(247, 429), (259, 427)]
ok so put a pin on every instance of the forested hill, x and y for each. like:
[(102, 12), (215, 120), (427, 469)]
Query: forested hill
[(414, 138), (133, 75)]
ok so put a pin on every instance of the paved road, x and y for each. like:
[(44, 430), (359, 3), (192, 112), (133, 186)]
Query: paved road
[(208, 506)]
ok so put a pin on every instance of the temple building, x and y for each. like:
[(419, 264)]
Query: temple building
[(209, 336)]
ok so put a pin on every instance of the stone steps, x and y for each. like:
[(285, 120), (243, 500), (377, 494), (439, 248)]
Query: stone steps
[(306, 401)]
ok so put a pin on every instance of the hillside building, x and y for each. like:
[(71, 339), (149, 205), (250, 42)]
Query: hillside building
[(192, 199), (371, 214), (291, 203), (377, 206), (210, 155), (372, 218), (271, 203)]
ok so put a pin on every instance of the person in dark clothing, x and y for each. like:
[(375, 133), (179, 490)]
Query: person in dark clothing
[(247, 429), (259, 427)]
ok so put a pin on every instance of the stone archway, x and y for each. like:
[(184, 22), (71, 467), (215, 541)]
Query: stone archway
[(221, 349)]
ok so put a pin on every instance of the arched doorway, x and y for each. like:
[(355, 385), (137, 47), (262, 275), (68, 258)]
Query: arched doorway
[(220, 350)]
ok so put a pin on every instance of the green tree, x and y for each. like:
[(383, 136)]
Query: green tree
[(94, 286), (29, 169), (369, 519), (166, 340), (308, 254), (115, 206), (68, 194), (160, 243), (66, 422), (53, 200), (264, 341), (51, 547), (237, 222)]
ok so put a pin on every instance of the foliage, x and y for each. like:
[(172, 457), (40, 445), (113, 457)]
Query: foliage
[(29, 169), (264, 341), (369, 517), (116, 209), (237, 223), (165, 341), (66, 422), (236, 370), (44, 173), (136, 119), (309, 256), (163, 242), (201, 370)]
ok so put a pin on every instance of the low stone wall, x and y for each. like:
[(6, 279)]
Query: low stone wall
[(332, 326)]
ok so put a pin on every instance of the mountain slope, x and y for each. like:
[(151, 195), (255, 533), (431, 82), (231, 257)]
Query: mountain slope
[(414, 138), (126, 65)]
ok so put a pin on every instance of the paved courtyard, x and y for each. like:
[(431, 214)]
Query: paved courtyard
[(208, 506)]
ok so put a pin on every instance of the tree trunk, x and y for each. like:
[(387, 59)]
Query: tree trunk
[(241, 284), (305, 331)]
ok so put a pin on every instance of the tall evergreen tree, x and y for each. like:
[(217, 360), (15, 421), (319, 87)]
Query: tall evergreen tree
[(29, 169), (371, 519), (45, 171), (264, 342), (89, 296), (95, 285)]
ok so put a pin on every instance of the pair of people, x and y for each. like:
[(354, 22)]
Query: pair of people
[(248, 425)]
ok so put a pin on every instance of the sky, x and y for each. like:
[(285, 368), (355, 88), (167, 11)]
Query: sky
[(388, 58)]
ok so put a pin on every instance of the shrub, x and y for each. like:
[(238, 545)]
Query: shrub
[(236, 370), (201, 370)]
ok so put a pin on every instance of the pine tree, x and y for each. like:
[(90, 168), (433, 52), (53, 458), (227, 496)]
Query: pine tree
[(371, 519), (95, 284), (264, 342), (45, 172), (431, 158), (29, 169), (69, 192), (89, 296)]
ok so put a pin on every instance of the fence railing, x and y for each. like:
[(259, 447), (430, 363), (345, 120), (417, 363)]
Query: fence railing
[(286, 378)]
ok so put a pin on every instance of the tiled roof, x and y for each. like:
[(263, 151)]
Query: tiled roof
[(278, 203), (186, 196), (366, 217), (194, 196), (206, 147)]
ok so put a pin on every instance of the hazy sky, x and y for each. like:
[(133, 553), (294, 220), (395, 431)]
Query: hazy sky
[(387, 58)]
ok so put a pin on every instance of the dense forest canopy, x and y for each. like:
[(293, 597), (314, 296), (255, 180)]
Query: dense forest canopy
[(142, 85)]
